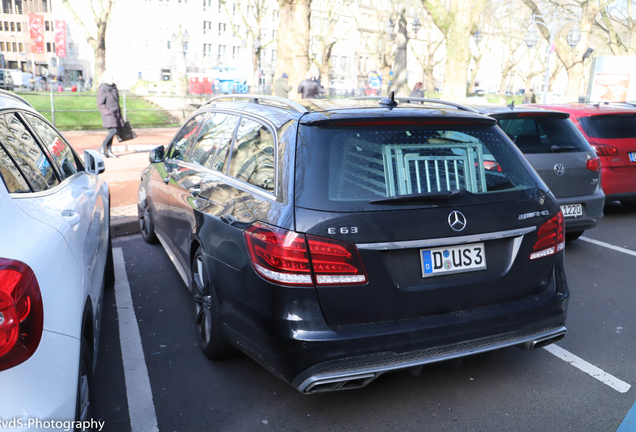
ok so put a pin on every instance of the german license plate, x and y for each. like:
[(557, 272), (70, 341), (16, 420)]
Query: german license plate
[(453, 259), (632, 156), (572, 210)]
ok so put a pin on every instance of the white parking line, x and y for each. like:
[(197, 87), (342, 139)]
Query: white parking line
[(140, 405), (609, 246), (590, 369)]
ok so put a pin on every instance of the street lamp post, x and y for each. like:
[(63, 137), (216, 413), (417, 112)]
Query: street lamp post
[(553, 23)]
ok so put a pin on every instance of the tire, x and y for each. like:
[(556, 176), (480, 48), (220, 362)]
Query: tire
[(629, 205), (571, 236), (207, 316), (83, 407), (146, 225)]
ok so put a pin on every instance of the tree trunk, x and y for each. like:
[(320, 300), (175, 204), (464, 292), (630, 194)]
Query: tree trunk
[(473, 75), (293, 41), (386, 71), (504, 78), (399, 85), (456, 23), (254, 79), (325, 74), (457, 55), (429, 80), (100, 60)]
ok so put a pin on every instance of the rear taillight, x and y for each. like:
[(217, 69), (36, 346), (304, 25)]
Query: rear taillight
[(605, 150), (550, 238), (21, 313), (594, 164), (289, 258), (491, 165), (335, 262)]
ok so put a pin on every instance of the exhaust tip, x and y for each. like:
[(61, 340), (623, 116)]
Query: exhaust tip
[(542, 342), (340, 383)]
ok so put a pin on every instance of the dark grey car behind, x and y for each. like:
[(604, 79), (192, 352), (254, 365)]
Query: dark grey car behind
[(562, 157)]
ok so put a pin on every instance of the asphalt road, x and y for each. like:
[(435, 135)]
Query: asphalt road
[(514, 391)]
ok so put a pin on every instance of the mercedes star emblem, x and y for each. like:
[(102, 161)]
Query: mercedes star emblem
[(457, 221), (559, 169)]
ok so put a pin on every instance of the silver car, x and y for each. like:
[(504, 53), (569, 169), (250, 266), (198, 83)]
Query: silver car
[(562, 157)]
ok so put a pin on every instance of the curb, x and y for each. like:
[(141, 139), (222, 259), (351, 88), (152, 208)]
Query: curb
[(124, 226)]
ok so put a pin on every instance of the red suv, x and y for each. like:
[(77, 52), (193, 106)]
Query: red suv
[(611, 130)]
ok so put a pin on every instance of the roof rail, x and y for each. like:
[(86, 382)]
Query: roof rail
[(255, 98), (406, 99), (15, 96)]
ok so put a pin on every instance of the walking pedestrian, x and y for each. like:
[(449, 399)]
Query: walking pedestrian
[(282, 87), (418, 90), (309, 88), (108, 104)]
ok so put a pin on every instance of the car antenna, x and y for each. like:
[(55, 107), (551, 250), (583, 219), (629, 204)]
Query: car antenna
[(512, 105), (389, 102)]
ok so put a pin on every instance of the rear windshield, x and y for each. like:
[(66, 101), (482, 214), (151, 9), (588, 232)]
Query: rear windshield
[(544, 134), (345, 169), (615, 126)]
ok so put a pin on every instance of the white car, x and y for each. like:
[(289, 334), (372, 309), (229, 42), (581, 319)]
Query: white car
[(55, 259)]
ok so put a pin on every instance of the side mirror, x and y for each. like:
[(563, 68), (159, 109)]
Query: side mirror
[(157, 154), (93, 162)]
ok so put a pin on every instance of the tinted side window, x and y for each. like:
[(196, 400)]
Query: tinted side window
[(252, 159), (184, 138), (538, 135), (11, 175), (214, 139), (22, 147), (56, 145)]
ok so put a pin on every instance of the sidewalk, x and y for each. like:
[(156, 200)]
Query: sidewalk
[(123, 173)]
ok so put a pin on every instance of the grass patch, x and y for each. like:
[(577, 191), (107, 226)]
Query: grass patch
[(92, 120)]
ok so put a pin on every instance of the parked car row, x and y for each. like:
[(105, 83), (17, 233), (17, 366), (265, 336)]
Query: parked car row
[(330, 240)]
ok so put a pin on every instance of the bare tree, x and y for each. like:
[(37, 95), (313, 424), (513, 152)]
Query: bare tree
[(617, 26), (293, 40), (424, 50), (534, 67), (252, 18), (101, 14), (572, 59), (377, 42), (324, 35), (457, 20), (503, 22)]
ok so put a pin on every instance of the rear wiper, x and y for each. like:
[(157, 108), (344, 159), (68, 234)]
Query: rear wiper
[(559, 149), (433, 196)]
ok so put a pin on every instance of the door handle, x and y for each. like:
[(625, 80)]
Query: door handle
[(89, 192), (195, 190), (71, 217)]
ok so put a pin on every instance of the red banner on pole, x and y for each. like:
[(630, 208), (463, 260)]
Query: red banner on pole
[(36, 31), (60, 38)]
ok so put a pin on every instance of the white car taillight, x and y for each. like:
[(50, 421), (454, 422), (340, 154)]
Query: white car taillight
[(21, 313)]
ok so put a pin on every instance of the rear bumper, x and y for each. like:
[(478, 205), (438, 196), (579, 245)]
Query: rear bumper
[(592, 211), (618, 185), (314, 356), (361, 371), (45, 386)]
